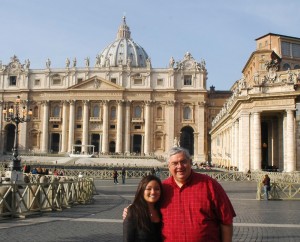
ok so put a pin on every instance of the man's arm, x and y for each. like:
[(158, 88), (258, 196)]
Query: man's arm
[(227, 232)]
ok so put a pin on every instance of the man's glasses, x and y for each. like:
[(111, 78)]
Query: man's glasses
[(182, 163)]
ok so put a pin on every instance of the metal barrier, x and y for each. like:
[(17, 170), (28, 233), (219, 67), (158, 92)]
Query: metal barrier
[(22, 199), (280, 191)]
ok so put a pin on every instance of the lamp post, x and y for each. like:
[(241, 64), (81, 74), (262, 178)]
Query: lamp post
[(16, 115)]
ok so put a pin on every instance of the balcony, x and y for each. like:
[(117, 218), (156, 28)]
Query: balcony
[(55, 119), (95, 119)]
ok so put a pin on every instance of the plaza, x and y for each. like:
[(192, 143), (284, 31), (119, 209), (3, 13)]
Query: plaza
[(102, 220)]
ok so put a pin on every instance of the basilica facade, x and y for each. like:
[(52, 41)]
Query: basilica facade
[(118, 104), (259, 125)]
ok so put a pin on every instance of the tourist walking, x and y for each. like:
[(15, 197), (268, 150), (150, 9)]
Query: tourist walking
[(267, 186), (123, 175), (115, 176)]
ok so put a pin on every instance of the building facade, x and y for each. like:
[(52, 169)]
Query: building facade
[(258, 126), (120, 104)]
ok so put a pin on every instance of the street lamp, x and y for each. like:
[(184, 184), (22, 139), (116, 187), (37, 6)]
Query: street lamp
[(16, 115)]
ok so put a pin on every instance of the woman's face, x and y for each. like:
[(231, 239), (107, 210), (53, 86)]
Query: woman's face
[(152, 192)]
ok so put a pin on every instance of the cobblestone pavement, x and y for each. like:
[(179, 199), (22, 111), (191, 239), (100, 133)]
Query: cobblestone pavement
[(101, 220)]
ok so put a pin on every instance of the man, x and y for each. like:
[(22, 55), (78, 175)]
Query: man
[(194, 207)]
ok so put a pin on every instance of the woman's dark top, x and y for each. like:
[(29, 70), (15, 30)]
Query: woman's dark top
[(132, 233)]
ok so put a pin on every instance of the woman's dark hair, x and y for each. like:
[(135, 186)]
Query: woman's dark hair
[(139, 208)]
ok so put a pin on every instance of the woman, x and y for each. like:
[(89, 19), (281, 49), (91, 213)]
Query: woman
[(143, 221), (267, 186)]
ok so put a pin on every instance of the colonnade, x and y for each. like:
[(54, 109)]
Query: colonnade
[(239, 142)]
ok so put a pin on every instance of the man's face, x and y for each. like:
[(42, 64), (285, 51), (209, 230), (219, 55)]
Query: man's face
[(180, 167)]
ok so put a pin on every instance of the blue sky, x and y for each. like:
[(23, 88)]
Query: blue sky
[(221, 32)]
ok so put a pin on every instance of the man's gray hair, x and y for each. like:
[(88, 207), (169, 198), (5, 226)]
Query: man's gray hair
[(176, 150)]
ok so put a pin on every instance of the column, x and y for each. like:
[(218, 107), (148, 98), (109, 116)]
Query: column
[(202, 137), (244, 140), (290, 162), (64, 127), (71, 125), (170, 124), (127, 127), (147, 137), (105, 127), (45, 130), (256, 141), (236, 143), (85, 126), (119, 143), (1, 133)]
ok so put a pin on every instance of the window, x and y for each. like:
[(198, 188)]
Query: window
[(296, 50), (113, 112), (137, 112), (137, 127), (36, 112), (79, 113), (159, 112), (266, 43), (34, 140), (78, 126), (56, 80), (187, 113), (112, 126), (56, 111), (187, 80), (160, 82), (12, 80), (79, 80), (296, 67), (96, 111), (138, 81), (55, 126), (285, 48), (37, 82), (113, 80), (286, 66)]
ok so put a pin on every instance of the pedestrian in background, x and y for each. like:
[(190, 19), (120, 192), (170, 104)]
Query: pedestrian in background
[(267, 186), (123, 175), (115, 176)]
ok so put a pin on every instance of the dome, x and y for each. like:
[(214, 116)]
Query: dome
[(123, 51)]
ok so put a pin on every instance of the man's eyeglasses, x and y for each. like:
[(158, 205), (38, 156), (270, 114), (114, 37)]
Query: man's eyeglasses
[(182, 163)]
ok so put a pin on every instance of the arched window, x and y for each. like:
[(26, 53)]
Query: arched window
[(286, 66), (113, 112), (35, 140), (187, 113), (96, 111), (137, 112), (296, 67), (36, 112), (79, 113), (56, 111), (159, 112)]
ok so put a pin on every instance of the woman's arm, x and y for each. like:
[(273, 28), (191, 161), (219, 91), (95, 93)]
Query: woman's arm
[(129, 229)]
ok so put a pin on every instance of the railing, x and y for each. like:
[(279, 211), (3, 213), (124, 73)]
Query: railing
[(47, 194), (280, 191)]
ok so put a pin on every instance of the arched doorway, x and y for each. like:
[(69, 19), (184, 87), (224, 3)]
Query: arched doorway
[(78, 148), (10, 137), (137, 143), (187, 139), (55, 137), (95, 141), (112, 146)]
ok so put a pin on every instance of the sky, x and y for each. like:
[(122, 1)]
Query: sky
[(221, 32)]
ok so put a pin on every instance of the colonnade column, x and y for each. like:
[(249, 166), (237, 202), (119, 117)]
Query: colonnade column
[(85, 128), (290, 163), (71, 125), (64, 128), (244, 141), (147, 137), (105, 127), (1, 133), (256, 141), (236, 143), (202, 135), (45, 126), (119, 142), (127, 127)]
